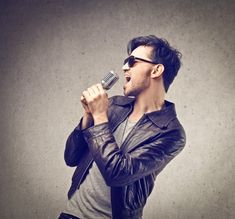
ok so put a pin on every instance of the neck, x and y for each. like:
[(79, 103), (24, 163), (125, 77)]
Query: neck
[(147, 102)]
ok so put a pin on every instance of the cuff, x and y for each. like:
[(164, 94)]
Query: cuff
[(79, 126), (96, 131)]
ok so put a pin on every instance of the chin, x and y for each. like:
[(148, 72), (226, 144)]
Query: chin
[(126, 92), (129, 93)]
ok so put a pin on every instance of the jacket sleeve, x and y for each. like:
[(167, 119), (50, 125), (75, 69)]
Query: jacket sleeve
[(75, 147), (119, 168)]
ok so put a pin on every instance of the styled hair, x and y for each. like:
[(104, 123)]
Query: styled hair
[(162, 53)]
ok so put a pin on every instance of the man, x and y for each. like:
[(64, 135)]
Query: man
[(121, 144)]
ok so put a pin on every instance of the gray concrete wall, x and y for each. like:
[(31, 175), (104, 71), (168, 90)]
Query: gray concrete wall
[(50, 51)]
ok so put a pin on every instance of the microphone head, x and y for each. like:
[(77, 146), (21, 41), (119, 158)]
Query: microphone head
[(109, 80)]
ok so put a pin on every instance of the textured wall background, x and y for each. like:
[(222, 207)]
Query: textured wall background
[(50, 51)]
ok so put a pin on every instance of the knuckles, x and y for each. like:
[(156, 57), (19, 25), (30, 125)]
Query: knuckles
[(92, 96)]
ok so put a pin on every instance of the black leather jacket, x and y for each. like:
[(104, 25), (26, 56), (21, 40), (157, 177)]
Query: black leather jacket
[(131, 168)]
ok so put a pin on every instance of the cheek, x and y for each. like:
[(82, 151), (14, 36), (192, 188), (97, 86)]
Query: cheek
[(141, 75), (139, 84), (142, 79)]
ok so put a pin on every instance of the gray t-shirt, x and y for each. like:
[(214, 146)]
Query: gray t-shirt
[(92, 199)]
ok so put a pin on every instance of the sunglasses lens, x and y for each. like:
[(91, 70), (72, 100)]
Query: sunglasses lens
[(126, 60), (131, 61)]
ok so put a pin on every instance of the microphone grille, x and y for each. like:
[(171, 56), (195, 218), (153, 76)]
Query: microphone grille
[(109, 80)]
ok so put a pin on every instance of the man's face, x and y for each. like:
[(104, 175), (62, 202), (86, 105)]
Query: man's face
[(138, 76)]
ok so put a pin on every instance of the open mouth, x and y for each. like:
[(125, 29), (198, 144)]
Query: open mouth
[(128, 78)]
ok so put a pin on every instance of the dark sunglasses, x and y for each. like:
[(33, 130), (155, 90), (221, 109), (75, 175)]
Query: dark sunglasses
[(131, 60)]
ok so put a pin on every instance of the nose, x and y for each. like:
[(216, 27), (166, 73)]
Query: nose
[(125, 67)]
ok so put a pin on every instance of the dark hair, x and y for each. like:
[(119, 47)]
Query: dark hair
[(162, 53)]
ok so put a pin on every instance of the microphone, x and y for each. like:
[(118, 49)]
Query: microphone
[(109, 80)]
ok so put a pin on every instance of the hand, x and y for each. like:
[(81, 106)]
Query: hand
[(87, 120), (96, 103), (85, 106)]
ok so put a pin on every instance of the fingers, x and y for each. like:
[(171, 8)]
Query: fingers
[(84, 102), (86, 95), (82, 98), (96, 102), (101, 89), (93, 92)]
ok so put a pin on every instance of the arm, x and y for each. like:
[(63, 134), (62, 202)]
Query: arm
[(118, 168), (76, 144)]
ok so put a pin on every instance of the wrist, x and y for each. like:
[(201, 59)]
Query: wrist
[(87, 120), (87, 115), (101, 118)]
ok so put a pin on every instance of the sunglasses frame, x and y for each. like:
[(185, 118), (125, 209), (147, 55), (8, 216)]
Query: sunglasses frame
[(131, 60)]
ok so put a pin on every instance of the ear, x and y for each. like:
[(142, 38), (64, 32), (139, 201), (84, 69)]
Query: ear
[(157, 71)]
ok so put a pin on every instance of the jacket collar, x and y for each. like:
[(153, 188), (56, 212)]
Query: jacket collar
[(161, 117)]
